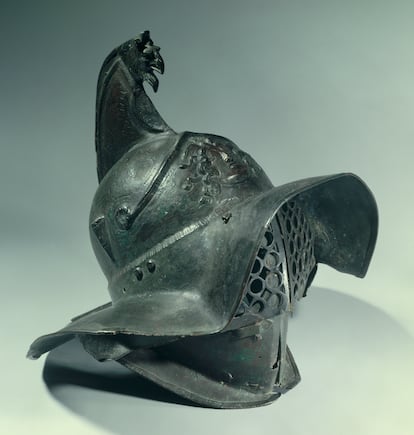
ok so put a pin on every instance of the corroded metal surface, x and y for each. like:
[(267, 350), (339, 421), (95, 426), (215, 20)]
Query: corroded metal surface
[(204, 257)]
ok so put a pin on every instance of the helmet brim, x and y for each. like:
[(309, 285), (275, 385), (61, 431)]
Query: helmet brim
[(343, 217)]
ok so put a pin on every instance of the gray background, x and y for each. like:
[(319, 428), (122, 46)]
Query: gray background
[(308, 88)]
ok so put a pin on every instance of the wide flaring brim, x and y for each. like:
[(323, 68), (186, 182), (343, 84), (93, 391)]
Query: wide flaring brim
[(343, 214)]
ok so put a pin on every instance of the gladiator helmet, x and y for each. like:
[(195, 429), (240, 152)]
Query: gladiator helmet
[(205, 258)]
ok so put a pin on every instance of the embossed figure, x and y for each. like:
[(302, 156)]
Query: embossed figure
[(204, 257)]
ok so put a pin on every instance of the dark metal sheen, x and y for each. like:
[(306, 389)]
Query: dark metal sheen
[(205, 258)]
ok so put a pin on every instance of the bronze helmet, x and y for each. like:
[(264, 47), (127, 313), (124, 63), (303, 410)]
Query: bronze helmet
[(204, 257)]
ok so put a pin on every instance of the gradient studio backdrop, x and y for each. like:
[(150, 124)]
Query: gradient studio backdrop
[(306, 87)]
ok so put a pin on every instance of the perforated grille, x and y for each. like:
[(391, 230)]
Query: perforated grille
[(299, 241), (284, 265), (265, 293)]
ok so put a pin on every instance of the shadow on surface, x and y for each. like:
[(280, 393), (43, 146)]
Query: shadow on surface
[(330, 332)]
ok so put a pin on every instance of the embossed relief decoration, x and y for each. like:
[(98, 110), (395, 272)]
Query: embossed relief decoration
[(212, 164)]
